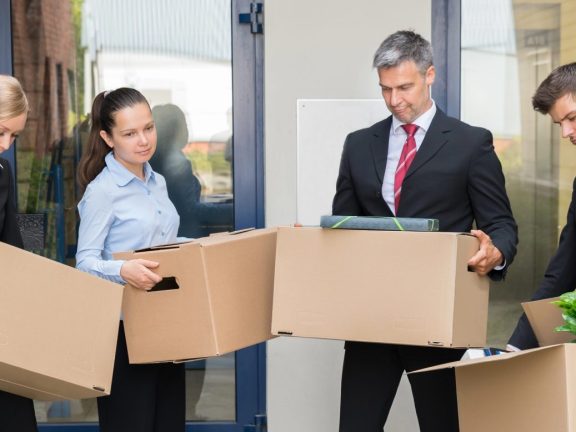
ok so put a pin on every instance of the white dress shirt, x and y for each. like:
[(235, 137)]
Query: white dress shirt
[(395, 144)]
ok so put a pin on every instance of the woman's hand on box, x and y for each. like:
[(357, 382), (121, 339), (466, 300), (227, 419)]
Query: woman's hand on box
[(138, 274)]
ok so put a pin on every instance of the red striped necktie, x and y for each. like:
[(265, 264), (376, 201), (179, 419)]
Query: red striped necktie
[(406, 158)]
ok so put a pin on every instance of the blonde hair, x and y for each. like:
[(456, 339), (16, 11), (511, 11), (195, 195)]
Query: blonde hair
[(13, 101)]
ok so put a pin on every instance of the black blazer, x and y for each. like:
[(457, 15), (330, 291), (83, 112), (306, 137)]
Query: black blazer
[(9, 230), (455, 177), (560, 277)]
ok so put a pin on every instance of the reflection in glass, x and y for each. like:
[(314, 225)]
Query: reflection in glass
[(508, 48), (178, 54)]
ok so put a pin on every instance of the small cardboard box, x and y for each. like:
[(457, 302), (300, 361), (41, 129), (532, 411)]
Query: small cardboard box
[(58, 328), (528, 391), (544, 317), (223, 301), (379, 286)]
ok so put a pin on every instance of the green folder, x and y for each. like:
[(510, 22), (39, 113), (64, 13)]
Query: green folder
[(379, 223)]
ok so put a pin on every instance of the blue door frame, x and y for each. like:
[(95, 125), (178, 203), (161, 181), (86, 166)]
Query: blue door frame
[(248, 154)]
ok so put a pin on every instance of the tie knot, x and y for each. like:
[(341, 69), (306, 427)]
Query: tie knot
[(410, 128)]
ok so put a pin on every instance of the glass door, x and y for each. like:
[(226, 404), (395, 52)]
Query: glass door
[(179, 54), (503, 62)]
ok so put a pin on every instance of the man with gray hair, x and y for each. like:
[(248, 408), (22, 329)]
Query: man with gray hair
[(555, 96), (418, 163)]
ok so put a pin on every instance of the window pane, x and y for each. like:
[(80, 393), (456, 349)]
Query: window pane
[(508, 48), (178, 54)]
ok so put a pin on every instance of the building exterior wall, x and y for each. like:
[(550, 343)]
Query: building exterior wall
[(43, 40)]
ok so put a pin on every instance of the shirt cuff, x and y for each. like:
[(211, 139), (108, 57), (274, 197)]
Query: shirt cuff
[(501, 266), (111, 268)]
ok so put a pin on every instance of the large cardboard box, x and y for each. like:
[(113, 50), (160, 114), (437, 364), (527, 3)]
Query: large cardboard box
[(58, 328), (544, 317), (223, 301), (379, 286), (528, 391)]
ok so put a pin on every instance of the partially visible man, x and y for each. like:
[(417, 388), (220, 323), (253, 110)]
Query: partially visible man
[(418, 163), (556, 96)]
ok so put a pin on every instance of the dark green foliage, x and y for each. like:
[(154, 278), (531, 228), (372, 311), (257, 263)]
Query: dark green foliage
[(567, 303)]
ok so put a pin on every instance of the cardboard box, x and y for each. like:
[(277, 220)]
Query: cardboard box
[(544, 317), (223, 301), (58, 328), (528, 391), (379, 286)]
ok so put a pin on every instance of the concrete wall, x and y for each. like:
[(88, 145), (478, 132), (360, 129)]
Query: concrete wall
[(319, 49)]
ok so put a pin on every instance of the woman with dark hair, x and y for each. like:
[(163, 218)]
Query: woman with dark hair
[(16, 412), (125, 206)]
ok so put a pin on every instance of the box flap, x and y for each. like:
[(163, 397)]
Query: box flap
[(234, 236), (544, 317), (482, 360), (165, 246), (224, 233)]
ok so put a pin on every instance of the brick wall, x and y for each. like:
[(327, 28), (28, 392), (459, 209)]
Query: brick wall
[(43, 38)]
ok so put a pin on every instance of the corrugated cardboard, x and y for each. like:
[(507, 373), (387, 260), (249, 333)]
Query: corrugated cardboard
[(379, 286), (58, 328), (544, 317), (223, 303), (528, 391)]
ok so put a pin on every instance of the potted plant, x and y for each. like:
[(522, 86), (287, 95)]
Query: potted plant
[(567, 303)]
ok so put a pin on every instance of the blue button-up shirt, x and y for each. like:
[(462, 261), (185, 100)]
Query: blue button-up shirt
[(120, 212)]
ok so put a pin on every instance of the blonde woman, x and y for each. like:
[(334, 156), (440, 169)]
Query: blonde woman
[(16, 412)]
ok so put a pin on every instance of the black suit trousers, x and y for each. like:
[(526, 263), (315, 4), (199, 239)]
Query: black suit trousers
[(16, 413), (371, 376), (144, 397)]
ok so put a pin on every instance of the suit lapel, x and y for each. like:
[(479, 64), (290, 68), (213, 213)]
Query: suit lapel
[(434, 140), (379, 146)]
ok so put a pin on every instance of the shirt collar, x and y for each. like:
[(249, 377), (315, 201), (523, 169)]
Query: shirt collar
[(122, 176), (423, 122)]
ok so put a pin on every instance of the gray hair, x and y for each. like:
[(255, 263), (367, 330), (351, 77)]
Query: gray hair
[(403, 46)]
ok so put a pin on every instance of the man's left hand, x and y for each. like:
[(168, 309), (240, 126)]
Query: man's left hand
[(487, 257)]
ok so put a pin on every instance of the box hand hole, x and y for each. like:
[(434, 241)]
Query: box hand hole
[(166, 284)]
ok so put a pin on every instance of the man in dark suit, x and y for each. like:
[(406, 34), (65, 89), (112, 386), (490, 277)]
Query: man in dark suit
[(418, 163), (556, 96)]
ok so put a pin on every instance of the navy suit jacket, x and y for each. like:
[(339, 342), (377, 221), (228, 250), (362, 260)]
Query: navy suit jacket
[(9, 230), (455, 177)]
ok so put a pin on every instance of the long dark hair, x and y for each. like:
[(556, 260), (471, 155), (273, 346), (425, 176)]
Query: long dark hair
[(104, 108)]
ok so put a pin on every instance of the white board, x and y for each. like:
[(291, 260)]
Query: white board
[(322, 127)]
